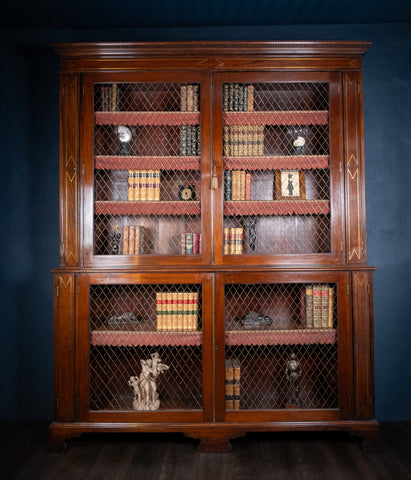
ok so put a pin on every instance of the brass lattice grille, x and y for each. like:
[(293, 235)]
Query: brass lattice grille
[(265, 324), (126, 330), (276, 168), (147, 146)]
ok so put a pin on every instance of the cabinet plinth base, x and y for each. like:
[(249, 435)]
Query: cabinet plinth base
[(214, 437)]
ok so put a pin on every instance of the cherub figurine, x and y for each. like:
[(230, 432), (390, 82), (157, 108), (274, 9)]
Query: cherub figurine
[(144, 386)]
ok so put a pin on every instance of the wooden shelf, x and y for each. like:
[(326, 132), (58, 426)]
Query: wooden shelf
[(281, 337), (147, 208), (131, 338), (278, 162), (294, 117), (147, 118), (126, 162), (277, 207)]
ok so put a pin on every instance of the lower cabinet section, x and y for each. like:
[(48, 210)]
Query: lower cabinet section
[(213, 355)]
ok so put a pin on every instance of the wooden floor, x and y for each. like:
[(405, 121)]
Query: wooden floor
[(289, 456)]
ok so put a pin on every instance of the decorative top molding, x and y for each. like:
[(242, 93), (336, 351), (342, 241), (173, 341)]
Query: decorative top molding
[(128, 50)]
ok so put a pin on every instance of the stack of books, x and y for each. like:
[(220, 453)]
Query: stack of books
[(237, 185), (191, 244), (109, 98), (232, 384), (319, 306), (189, 98), (143, 185), (133, 240), (190, 144), (238, 98), (243, 140), (177, 311), (233, 241)]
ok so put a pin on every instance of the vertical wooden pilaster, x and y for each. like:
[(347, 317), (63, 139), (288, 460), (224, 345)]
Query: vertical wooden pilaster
[(363, 336), (64, 346), (354, 167), (69, 169)]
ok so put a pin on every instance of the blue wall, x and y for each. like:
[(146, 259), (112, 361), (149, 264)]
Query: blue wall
[(29, 199)]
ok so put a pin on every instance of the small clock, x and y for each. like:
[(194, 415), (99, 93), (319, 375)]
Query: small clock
[(124, 135), (186, 192)]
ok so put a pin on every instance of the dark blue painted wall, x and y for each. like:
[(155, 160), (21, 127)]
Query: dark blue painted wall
[(29, 199)]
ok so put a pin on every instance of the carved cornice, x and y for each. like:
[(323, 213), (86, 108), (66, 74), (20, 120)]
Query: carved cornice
[(179, 49)]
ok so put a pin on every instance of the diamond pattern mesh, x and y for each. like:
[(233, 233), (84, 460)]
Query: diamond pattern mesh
[(265, 325), (125, 326), (276, 168), (147, 145)]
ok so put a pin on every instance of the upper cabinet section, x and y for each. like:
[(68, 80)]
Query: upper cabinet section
[(189, 154), (146, 190), (279, 157)]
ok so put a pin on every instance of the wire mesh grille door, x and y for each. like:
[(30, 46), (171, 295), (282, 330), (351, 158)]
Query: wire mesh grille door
[(281, 346), (147, 196), (146, 347), (276, 168)]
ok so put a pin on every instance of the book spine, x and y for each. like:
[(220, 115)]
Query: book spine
[(248, 186), (235, 184), (180, 311), (159, 312), (125, 240), (317, 309), (309, 311), (183, 140), (183, 98), (325, 303), (131, 239), (168, 320), (182, 244), (196, 98), (331, 308), (186, 310), (190, 98), (226, 95), (250, 98), (232, 241), (239, 241), (227, 184), (196, 244), (130, 184), (114, 97), (157, 185), (195, 317), (229, 384), (226, 241), (242, 185), (189, 244), (236, 384)]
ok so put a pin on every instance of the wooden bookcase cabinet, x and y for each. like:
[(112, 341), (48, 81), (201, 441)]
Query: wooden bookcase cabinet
[(241, 183)]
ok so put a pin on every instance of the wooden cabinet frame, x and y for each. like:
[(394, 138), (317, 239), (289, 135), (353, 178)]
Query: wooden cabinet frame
[(211, 64)]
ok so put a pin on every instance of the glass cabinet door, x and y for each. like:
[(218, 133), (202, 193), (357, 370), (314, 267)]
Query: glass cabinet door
[(146, 176), (285, 341), (148, 345), (278, 158)]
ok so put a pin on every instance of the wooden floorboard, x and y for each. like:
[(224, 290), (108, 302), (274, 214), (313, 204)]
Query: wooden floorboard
[(262, 456)]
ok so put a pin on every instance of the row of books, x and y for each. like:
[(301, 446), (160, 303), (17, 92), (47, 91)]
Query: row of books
[(237, 185), (191, 243), (243, 140), (190, 144), (238, 98), (177, 311), (189, 98), (233, 240), (143, 185), (133, 240), (109, 97), (232, 384), (319, 306)]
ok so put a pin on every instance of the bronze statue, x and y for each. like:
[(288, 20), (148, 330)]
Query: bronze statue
[(293, 373)]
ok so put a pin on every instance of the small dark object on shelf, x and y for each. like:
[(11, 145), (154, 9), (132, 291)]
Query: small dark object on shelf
[(126, 317), (115, 241), (254, 319)]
